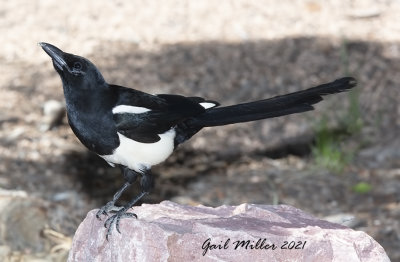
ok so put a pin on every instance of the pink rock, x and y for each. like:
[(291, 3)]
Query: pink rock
[(173, 232)]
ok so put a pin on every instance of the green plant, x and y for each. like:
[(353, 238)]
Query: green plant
[(329, 150), (362, 188)]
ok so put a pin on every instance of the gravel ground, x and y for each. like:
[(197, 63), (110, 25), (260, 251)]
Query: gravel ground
[(232, 52)]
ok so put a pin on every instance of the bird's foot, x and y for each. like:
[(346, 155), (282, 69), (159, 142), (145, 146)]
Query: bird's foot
[(107, 208), (114, 220)]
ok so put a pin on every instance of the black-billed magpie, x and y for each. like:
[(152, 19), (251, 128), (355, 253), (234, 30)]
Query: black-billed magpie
[(135, 130)]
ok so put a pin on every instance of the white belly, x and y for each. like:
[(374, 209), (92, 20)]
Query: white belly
[(139, 156)]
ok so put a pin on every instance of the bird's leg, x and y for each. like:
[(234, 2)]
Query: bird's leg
[(130, 177), (146, 184), (110, 206)]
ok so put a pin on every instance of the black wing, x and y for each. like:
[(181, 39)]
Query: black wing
[(166, 111)]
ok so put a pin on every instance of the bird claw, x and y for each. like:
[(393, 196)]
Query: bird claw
[(115, 219), (107, 208)]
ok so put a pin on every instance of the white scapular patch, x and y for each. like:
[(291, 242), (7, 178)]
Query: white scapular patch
[(207, 105), (139, 156), (129, 109)]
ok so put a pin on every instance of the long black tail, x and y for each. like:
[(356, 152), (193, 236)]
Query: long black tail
[(292, 103)]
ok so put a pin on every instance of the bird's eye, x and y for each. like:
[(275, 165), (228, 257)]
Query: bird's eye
[(77, 66)]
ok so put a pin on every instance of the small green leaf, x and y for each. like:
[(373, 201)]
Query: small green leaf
[(362, 188)]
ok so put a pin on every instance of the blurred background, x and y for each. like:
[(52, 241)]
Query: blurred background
[(340, 162)]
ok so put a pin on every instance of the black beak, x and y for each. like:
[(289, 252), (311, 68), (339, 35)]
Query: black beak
[(55, 54)]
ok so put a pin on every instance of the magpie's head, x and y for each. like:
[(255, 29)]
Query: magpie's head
[(75, 71)]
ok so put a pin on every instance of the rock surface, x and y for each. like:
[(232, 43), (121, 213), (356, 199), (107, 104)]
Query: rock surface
[(172, 232), (22, 220)]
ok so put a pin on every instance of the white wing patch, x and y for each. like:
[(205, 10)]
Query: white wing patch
[(129, 109), (207, 105)]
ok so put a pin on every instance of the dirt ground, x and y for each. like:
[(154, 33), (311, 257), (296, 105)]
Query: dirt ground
[(233, 51)]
